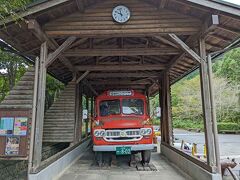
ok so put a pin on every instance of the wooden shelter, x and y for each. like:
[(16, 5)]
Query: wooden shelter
[(77, 40)]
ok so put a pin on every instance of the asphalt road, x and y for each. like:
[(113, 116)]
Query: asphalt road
[(229, 143)]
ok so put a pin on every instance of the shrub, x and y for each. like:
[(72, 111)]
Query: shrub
[(228, 126)]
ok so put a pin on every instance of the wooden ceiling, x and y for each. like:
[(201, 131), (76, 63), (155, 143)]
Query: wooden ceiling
[(113, 56)]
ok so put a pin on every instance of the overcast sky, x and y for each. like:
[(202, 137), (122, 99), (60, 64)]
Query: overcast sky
[(234, 1)]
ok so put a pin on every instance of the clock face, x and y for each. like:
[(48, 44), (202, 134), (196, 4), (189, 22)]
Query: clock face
[(121, 14)]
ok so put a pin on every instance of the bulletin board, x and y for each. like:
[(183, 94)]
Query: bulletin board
[(14, 133)]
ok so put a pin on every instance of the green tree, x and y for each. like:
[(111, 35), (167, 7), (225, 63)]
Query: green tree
[(10, 7), (12, 67)]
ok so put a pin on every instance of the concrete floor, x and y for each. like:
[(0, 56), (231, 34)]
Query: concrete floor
[(86, 169)]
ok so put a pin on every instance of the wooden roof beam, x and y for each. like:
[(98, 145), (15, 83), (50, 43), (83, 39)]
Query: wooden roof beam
[(53, 56), (186, 48), (34, 26), (217, 6), (206, 28), (80, 5), (162, 4), (90, 87), (229, 29), (118, 82), (82, 77), (123, 75), (166, 41), (121, 52), (120, 67)]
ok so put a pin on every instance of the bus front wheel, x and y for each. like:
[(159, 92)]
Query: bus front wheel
[(146, 156)]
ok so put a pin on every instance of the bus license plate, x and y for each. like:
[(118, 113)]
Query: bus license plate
[(123, 150)]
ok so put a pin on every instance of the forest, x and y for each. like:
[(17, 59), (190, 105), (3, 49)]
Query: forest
[(186, 96)]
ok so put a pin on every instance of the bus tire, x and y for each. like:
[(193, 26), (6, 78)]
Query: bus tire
[(146, 156), (99, 158)]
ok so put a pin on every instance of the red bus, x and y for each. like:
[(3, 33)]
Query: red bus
[(122, 125)]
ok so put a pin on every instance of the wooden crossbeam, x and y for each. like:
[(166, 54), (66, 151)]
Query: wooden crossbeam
[(80, 5), (53, 56), (41, 35), (186, 48), (118, 82), (122, 52), (162, 4), (120, 67), (119, 75), (111, 87), (90, 87), (205, 30), (82, 76), (229, 29), (166, 41)]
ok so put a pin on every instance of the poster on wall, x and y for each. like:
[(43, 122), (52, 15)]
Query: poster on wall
[(12, 145), (6, 126), (20, 126)]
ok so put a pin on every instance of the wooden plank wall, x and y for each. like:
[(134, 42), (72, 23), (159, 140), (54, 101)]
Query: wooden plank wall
[(60, 117), (146, 20), (21, 96)]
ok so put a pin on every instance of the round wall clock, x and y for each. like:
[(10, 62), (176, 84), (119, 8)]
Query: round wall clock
[(121, 14)]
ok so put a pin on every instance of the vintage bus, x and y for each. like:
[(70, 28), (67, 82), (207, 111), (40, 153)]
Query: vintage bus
[(122, 125)]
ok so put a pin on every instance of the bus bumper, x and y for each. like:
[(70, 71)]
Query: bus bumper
[(138, 147)]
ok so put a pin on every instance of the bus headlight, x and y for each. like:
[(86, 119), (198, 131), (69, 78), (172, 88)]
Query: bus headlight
[(99, 132), (145, 131)]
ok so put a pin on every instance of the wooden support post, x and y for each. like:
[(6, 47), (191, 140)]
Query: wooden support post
[(213, 113), (87, 120), (37, 154), (92, 112), (92, 106), (77, 114), (206, 104), (80, 110), (82, 76), (34, 109), (165, 105)]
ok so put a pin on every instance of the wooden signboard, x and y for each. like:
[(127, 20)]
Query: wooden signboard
[(14, 133)]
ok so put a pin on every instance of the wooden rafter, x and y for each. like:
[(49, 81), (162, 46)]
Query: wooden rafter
[(120, 67), (80, 5), (40, 34), (122, 75), (166, 41), (82, 77), (162, 4), (122, 52), (53, 56), (186, 48)]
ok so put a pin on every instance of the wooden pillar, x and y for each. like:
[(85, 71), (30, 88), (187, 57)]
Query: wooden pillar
[(213, 113), (34, 109), (92, 112), (92, 107), (37, 154), (206, 105), (87, 120), (165, 105), (148, 102), (77, 114), (80, 110)]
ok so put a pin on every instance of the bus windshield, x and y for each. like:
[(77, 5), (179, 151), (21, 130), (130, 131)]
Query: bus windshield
[(109, 107), (129, 107), (132, 106)]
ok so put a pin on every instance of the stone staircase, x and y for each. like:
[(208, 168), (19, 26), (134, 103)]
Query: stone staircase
[(21, 96), (60, 117)]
